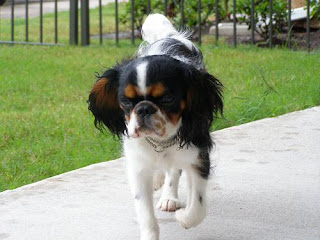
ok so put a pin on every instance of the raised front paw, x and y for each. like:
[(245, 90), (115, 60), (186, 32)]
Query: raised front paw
[(169, 205), (188, 219)]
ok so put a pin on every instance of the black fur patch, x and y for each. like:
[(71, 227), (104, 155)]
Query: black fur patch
[(203, 167)]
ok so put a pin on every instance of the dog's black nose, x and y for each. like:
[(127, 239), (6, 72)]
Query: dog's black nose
[(145, 109)]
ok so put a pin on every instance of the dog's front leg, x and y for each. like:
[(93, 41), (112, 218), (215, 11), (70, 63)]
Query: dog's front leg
[(195, 210), (141, 182)]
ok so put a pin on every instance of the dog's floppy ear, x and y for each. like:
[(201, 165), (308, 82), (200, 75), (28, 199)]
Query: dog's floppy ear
[(203, 103), (104, 104)]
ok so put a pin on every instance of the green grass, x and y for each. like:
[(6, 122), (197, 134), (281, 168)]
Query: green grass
[(108, 25), (46, 129)]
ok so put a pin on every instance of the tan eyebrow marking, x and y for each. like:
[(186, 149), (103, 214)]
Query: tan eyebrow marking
[(156, 90), (131, 91)]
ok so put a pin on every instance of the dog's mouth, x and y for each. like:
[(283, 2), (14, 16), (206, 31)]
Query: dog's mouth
[(146, 127)]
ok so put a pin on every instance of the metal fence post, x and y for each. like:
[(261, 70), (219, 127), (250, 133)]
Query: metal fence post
[(55, 21), (217, 20), (308, 25), (165, 7), (41, 21), (132, 21), (100, 21), (289, 23), (73, 22), (253, 24), (148, 7), (182, 13), (12, 20), (270, 23), (85, 36), (199, 21), (117, 21), (234, 24), (27, 21)]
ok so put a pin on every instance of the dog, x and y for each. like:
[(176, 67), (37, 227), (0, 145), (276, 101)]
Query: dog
[(161, 103)]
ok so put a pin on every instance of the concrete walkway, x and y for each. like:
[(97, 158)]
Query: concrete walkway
[(266, 186)]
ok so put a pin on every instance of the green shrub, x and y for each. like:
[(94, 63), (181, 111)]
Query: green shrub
[(262, 13), (190, 12), (315, 4)]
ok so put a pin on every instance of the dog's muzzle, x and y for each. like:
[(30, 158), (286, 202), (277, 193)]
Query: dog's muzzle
[(145, 109)]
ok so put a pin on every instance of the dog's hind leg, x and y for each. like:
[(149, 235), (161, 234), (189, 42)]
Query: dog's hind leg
[(169, 198), (158, 179)]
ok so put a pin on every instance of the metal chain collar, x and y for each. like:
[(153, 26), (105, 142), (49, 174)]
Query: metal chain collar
[(160, 146)]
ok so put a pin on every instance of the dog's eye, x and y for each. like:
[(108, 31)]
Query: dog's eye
[(125, 102), (167, 99)]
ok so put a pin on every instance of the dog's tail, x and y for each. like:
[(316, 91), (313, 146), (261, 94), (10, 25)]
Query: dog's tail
[(156, 27), (161, 38)]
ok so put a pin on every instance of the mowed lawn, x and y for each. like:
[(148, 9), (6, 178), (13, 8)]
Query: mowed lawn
[(46, 129)]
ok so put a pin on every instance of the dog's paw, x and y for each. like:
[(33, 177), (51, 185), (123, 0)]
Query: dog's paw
[(150, 234), (158, 180), (188, 219), (169, 205)]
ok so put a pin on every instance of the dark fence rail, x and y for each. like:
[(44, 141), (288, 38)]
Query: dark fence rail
[(85, 30)]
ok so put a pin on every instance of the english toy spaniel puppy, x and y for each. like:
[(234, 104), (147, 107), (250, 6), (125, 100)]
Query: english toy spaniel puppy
[(161, 103)]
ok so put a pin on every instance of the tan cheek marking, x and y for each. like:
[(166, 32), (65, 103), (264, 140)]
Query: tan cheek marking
[(182, 105), (156, 90), (160, 123), (161, 128), (158, 118), (174, 117), (102, 96)]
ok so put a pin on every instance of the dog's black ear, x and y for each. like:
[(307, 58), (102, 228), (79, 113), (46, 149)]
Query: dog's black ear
[(104, 104), (203, 103)]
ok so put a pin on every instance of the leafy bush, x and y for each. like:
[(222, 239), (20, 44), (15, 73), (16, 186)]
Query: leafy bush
[(261, 15), (174, 11), (315, 4)]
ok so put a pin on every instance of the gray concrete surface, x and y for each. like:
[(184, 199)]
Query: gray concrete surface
[(226, 29), (266, 186)]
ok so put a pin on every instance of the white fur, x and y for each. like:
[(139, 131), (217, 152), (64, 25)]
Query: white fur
[(169, 200), (143, 161), (158, 179), (132, 125), (156, 31), (142, 77), (155, 27)]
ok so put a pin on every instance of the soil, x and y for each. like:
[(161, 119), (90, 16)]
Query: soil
[(298, 40)]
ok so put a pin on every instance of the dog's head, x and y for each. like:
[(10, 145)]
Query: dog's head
[(156, 96)]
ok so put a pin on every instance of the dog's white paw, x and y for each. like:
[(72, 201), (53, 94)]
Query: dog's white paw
[(169, 205), (188, 219), (150, 234), (158, 180)]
